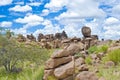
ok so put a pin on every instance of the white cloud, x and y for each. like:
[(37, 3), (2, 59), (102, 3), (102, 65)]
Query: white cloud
[(20, 31), (77, 12), (48, 29), (56, 5), (111, 20), (5, 2), (112, 28), (45, 12), (30, 19), (82, 9), (6, 24), (116, 11), (19, 8), (34, 4)]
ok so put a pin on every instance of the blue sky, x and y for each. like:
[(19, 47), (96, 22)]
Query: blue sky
[(51, 16)]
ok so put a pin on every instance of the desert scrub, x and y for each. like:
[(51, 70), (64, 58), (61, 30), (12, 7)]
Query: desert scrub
[(103, 48), (88, 60), (113, 56), (92, 49), (97, 49), (112, 73)]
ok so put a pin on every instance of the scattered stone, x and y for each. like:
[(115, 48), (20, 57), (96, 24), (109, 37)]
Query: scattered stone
[(83, 67), (86, 75), (109, 64)]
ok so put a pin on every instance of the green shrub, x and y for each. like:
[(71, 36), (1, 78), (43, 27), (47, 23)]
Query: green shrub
[(97, 49), (111, 73), (103, 48), (88, 60), (113, 56), (92, 49)]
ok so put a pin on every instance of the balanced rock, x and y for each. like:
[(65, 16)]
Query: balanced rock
[(86, 31)]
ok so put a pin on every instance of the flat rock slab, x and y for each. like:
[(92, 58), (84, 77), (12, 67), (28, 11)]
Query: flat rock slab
[(53, 63)]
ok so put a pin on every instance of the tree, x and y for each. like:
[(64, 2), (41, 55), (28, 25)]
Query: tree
[(9, 34), (10, 54)]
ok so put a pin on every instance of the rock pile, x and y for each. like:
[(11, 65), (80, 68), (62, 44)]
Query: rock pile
[(62, 64)]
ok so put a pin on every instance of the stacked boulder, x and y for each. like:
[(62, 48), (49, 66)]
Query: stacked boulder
[(62, 63), (88, 39)]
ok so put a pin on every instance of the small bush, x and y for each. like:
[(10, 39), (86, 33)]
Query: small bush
[(88, 60), (92, 49), (114, 56), (95, 49), (103, 48)]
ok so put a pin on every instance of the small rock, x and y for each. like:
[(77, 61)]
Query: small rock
[(109, 64), (86, 75)]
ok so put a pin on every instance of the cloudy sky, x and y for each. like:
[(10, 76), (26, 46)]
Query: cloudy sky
[(51, 16)]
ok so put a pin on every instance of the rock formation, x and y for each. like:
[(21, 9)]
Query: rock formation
[(62, 63), (88, 39), (21, 38), (31, 37), (86, 31)]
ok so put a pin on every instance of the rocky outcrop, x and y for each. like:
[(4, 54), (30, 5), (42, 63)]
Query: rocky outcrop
[(88, 39), (31, 37), (21, 38), (62, 62)]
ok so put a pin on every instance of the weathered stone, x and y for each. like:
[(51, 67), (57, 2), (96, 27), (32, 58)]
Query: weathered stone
[(109, 64), (59, 54), (40, 36), (113, 48), (57, 43), (66, 41), (52, 63), (64, 71), (31, 37), (74, 48), (70, 50), (86, 75), (86, 31), (64, 35), (83, 67), (94, 37), (93, 56), (79, 62), (75, 39), (68, 69), (48, 73), (21, 38)]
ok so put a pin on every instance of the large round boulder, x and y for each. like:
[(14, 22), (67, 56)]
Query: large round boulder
[(86, 31)]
